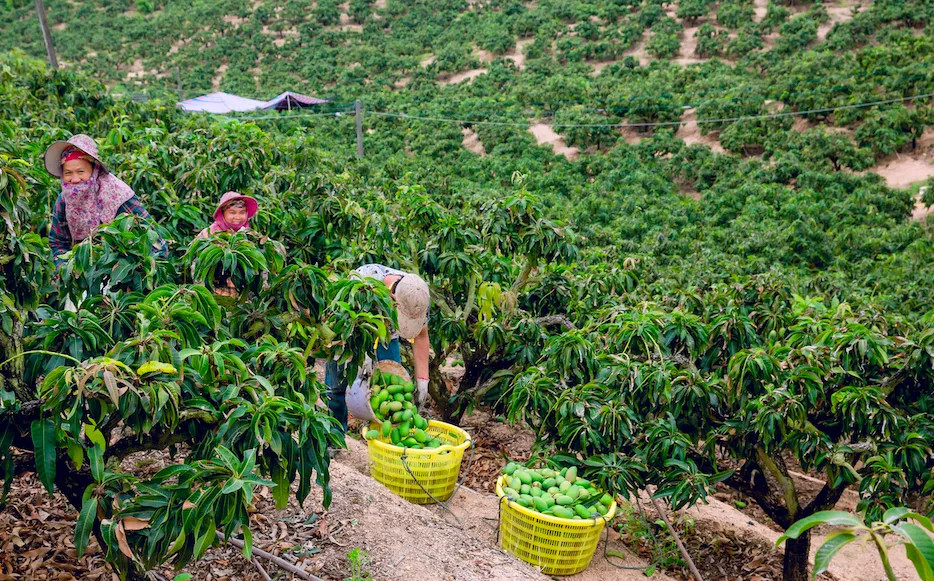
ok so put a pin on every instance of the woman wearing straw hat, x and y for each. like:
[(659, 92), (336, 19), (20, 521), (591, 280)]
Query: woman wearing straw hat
[(90, 195), (410, 293), (233, 214)]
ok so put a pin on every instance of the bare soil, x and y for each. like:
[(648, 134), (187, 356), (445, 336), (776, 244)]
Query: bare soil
[(517, 54), (760, 8), (921, 211), (690, 133), (218, 77), (686, 54), (463, 76), (136, 69), (840, 11), (545, 135), (598, 66), (904, 171), (638, 52), (472, 142)]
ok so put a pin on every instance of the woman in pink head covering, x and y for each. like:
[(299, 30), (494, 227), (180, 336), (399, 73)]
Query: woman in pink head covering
[(91, 195), (233, 214)]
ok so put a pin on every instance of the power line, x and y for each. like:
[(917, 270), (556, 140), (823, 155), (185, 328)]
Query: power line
[(292, 116), (657, 123)]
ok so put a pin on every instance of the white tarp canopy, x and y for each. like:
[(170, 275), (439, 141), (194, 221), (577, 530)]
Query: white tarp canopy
[(221, 103)]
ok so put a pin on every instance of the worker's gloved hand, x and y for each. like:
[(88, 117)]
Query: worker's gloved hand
[(422, 392)]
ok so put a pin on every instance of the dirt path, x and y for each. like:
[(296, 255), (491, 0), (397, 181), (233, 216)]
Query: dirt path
[(517, 54), (904, 171), (839, 12), (921, 211), (477, 508), (464, 76), (855, 562), (639, 52), (690, 133), (686, 54), (760, 9), (477, 512), (545, 135), (472, 142), (218, 77)]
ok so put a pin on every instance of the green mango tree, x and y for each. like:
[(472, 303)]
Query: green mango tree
[(744, 385)]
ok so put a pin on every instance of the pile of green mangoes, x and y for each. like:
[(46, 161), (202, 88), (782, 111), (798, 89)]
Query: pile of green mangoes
[(394, 408), (556, 493)]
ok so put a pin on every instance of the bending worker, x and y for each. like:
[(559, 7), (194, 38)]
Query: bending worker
[(410, 294)]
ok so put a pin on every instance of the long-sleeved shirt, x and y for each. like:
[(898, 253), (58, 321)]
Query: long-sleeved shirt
[(60, 235)]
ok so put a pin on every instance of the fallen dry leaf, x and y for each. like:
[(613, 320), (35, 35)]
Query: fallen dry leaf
[(121, 540), (131, 523)]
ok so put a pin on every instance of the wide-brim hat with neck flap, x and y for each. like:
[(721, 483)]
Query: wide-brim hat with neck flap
[(251, 206), (53, 155)]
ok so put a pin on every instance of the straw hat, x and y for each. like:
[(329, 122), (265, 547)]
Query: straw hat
[(53, 155)]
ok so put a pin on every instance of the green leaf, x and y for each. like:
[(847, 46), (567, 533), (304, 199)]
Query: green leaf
[(824, 517), (247, 543), (95, 436), (170, 471), (85, 524), (835, 541), (178, 543), (43, 441), (96, 460), (895, 514), (921, 520), (156, 367), (917, 560), (280, 492), (76, 453), (233, 485), (206, 539), (182, 577), (922, 543), (111, 382)]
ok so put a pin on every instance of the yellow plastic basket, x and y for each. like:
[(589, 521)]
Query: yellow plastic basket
[(436, 469), (557, 546)]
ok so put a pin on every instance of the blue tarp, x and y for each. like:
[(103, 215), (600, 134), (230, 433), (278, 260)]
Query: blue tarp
[(221, 103), (227, 103)]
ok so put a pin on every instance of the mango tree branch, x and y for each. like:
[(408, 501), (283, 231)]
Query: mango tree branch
[(202, 420), (825, 500), (281, 563), (745, 480), (523, 277), (471, 295), (553, 320), (438, 300), (784, 481)]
